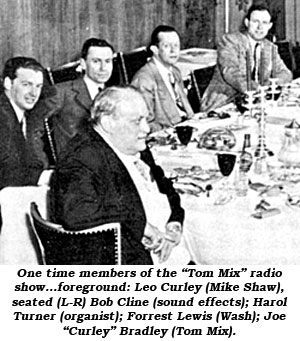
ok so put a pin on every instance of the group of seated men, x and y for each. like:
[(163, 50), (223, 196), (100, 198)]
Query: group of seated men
[(104, 171)]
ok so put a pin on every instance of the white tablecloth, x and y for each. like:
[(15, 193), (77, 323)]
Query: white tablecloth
[(228, 234), (17, 242)]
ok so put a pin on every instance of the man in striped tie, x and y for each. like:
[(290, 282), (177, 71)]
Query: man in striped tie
[(161, 83)]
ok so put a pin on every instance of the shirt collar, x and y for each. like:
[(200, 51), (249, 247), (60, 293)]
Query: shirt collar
[(92, 86), (123, 157), (253, 42), (19, 112), (162, 68)]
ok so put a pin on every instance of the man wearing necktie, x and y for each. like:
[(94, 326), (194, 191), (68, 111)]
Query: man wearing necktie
[(20, 162), (69, 109), (108, 174), (161, 83), (239, 68)]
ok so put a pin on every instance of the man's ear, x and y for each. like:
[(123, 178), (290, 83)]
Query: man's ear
[(7, 83), (270, 25), (246, 22), (83, 64), (154, 49), (106, 123)]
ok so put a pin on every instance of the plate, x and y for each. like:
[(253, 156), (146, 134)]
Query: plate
[(196, 173), (293, 201), (236, 127), (218, 138)]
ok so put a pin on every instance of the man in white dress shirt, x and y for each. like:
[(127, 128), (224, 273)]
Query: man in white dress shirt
[(69, 109), (107, 174), (21, 153), (161, 83), (241, 66)]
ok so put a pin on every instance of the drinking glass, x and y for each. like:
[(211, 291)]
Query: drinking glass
[(226, 162), (184, 134)]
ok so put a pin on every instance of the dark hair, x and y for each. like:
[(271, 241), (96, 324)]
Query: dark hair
[(13, 64), (94, 42), (258, 7), (159, 29)]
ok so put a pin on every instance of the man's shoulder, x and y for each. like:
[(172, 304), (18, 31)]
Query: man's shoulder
[(235, 37), (75, 84), (146, 70), (6, 109), (86, 147)]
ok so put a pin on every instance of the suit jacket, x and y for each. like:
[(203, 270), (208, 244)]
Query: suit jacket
[(21, 160), (162, 108), (230, 75), (68, 111), (91, 186)]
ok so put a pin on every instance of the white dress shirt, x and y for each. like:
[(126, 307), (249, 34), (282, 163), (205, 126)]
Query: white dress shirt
[(166, 74), (20, 116), (92, 86), (156, 204)]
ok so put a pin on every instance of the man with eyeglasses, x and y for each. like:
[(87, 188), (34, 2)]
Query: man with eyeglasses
[(246, 59)]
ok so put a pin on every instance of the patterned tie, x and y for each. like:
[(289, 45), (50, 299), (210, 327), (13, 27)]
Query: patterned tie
[(143, 169), (174, 85)]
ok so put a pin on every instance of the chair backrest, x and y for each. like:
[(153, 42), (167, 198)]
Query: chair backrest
[(63, 73), (285, 51), (199, 81), (98, 245), (131, 62)]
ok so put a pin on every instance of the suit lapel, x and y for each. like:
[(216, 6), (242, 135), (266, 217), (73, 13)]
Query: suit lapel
[(167, 102), (82, 96), (122, 179)]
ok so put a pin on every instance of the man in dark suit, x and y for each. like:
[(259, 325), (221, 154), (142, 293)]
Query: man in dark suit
[(107, 174), (238, 53), (69, 109), (21, 149), (161, 83)]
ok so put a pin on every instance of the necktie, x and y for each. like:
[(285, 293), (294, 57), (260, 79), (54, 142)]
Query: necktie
[(256, 58), (174, 85), (143, 169), (23, 126)]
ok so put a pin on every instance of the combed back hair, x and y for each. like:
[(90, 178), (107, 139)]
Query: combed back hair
[(94, 42), (258, 7), (109, 101), (13, 64), (159, 29)]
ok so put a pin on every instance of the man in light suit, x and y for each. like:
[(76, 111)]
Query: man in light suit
[(107, 174), (69, 109), (230, 76), (22, 159), (161, 83)]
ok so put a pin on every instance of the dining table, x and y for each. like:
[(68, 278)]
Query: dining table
[(230, 232), (215, 232)]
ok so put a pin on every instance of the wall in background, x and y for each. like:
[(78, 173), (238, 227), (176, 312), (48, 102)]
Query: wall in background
[(53, 31)]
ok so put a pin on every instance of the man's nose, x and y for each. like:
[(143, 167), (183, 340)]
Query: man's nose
[(145, 126), (34, 91), (103, 66)]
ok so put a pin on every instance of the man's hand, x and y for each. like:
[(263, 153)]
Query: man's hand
[(160, 243), (173, 232), (153, 237)]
